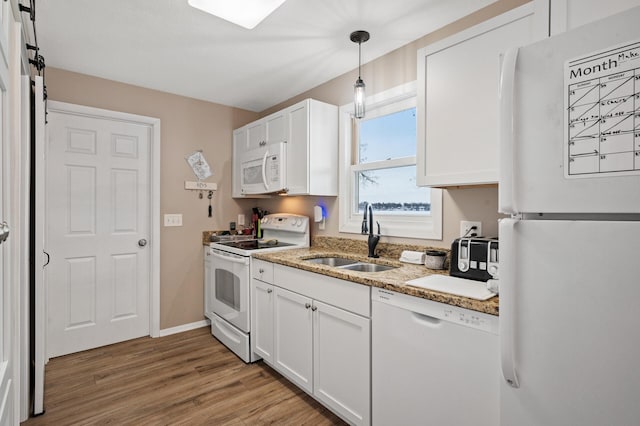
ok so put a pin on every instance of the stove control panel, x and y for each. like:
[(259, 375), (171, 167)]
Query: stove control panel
[(285, 222)]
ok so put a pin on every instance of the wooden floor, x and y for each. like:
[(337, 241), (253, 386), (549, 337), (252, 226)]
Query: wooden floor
[(182, 379)]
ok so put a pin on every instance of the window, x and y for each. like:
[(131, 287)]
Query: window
[(379, 167)]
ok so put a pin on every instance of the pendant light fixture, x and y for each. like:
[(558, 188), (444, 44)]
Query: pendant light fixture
[(358, 88)]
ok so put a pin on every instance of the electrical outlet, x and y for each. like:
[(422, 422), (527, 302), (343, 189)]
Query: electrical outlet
[(241, 220), (466, 225), (173, 219)]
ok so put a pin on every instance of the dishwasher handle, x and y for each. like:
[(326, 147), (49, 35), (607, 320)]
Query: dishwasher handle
[(425, 319)]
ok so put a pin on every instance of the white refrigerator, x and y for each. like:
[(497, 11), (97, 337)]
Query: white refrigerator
[(570, 250)]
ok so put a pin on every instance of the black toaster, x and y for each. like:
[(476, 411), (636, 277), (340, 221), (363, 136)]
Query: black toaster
[(474, 258)]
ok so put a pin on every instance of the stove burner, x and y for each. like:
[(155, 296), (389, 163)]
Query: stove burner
[(255, 244)]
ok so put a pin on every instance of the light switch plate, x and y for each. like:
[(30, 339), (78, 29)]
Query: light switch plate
[(241, 220), (173, 219)]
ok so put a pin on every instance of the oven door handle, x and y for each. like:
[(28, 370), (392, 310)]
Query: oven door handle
[(241, 260)]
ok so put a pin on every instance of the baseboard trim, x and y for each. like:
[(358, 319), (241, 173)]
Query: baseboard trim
[(184, 327)]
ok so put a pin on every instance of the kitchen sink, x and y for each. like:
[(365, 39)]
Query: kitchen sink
[(350, 264), (332, 261), (367, 267)]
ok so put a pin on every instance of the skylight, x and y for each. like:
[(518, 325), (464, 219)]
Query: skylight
[(246, 13)]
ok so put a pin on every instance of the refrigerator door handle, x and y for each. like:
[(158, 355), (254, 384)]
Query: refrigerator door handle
[(507, 300), (507, 132)]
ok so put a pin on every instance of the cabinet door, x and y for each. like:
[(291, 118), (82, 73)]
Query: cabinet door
[(256, 134), (262, 270), (293, 341), (270, 129), (569, 14), (276, 127), (298, 149), (208, 284), (239, 147), (341, 362), (312, 148), (262, 320), (457, 108)]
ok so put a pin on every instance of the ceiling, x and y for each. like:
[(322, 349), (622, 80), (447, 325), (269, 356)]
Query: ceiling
[(169, 46)]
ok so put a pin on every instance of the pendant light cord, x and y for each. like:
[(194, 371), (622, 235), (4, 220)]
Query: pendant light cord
[(359, 58)]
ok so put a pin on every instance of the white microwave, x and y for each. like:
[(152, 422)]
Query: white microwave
[(263, 170)]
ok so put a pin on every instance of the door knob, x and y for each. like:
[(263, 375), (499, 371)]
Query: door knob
[(142, 242)]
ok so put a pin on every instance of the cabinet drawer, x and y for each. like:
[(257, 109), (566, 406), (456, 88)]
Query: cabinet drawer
[(340, 293), (262, 270)]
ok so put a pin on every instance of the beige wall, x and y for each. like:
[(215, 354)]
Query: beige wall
[(189, 124), (186, 125)]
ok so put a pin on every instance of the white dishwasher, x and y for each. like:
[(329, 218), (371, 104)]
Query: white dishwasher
[(432, 363)]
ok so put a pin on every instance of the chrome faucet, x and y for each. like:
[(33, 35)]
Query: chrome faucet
[(372, 241)]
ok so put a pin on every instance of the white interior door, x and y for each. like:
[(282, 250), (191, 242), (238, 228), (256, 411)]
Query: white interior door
[(97, 229), (39, 296), (8, 310), (24, 198)]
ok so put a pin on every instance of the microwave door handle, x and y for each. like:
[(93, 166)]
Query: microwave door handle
[(241, 260), (264, 170)]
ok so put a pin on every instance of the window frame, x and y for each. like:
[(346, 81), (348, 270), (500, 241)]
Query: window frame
[(396, 225)]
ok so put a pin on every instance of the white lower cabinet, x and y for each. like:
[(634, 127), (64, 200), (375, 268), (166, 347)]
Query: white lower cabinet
[(341, 362), (293, 338), (262, 319), (208, 283), (321, 347)]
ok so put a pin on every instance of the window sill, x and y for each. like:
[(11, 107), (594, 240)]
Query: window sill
[(428, 228)]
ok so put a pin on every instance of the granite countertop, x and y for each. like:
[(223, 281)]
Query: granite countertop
[(393, 279)]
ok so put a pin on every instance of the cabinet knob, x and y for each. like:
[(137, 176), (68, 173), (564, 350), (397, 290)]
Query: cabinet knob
[(307, 305), (270, 290), (261, 271), (315, 308)]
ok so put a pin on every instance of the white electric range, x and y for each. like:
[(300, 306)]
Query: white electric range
[(228, 277)]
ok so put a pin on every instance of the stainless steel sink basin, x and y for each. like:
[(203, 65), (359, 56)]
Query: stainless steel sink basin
[(367, 267), (350, 264), (332, 261)]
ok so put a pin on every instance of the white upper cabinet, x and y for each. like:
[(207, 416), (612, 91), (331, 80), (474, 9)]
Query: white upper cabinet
[(256, 135), (239, 146), (312, 148), (569, 14), (276, 127), (310, 130), (268, 130), (457, 108)]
